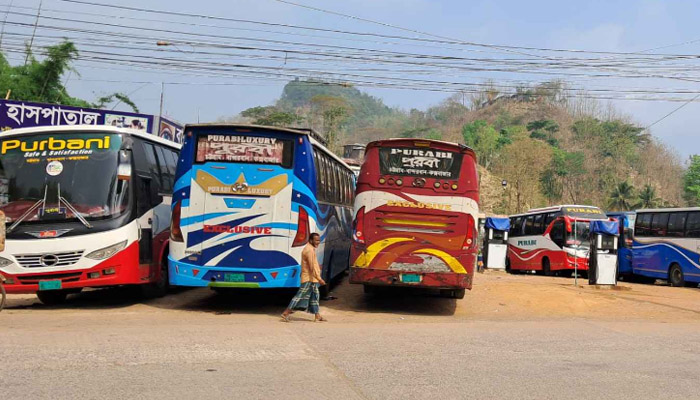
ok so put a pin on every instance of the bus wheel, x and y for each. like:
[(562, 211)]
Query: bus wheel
[(675, 276), (457, 293), (545, 267), (52, 297), (160, 287)]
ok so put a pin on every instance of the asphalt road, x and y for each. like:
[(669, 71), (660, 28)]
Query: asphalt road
[(499, 342)]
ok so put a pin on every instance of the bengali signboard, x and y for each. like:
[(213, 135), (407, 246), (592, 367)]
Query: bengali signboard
[(419, 162), (244, 149), (23, 114)]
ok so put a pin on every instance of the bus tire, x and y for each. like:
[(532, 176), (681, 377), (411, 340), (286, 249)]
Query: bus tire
[(160, 287), (52, 297), (546, 269), (675, 276), (458, 293)]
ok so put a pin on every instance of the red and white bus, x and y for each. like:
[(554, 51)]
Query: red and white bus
[(552, 240), (85, 206), (415, 216)]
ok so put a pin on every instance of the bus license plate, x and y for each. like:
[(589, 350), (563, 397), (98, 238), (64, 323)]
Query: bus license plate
[(49, 285), (410, 278), (234, 277)]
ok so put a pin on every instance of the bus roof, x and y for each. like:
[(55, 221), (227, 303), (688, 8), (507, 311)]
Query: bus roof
[(551, 209), (314, 136), (385, 142), (649, 210), (297, 131), (92, 128)]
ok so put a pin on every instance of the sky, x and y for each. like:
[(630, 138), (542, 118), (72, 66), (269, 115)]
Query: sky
[(608, 26)]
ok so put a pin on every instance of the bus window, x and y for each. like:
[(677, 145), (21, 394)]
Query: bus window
[(529, 225), (676, 224), (643, 225), (517, 227), (692, 227), (548, 220), (557, 233), (537, 226), (659, 224)]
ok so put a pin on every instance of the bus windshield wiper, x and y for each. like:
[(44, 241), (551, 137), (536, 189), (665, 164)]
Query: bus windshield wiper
[(71, 208), (29, 211)]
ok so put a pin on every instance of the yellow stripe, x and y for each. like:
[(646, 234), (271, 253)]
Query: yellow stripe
[(365, 259), (455, 265), (413, 222)]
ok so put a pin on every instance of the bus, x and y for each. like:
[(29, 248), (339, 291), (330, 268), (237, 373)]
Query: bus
[(85, 206), (246, 199), (415, 216), (667, 245), (552, 240), (624, 251)]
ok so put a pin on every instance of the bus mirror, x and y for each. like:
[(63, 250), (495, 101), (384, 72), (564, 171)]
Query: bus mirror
[(124, 168)]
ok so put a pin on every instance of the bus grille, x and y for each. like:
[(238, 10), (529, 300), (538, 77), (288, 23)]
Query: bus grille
[(34, 279), (44, 260)]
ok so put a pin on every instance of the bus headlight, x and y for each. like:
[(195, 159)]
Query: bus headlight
[(4, 262), (107, 252)]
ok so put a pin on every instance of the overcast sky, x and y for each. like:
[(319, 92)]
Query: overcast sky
[(619, 26)]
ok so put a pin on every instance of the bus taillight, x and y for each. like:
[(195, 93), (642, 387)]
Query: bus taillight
[(358, 226), (175, 231), (302, 229), (469, 240)]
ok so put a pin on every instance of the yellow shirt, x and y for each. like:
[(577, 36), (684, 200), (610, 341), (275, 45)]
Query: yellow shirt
[(310, 270)]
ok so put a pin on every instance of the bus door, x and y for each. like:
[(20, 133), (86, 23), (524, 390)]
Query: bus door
[(246, 199)]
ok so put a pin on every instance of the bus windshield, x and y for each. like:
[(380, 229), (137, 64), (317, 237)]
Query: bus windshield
[(421, 162), (65, 173), (578, 237)]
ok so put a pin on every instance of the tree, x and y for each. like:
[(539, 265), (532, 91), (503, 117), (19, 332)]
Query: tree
[(271, 116), (622, 197), (521, 164), (334, 111), (691, 181), (647, 198), (40, 81), (483, 138)]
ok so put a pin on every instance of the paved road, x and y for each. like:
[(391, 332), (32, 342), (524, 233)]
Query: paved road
[(195, 344)]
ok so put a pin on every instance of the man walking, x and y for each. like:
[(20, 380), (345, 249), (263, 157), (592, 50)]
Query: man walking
[(307, 297)]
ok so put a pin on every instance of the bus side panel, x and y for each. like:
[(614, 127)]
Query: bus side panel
[(653, 257), (335, 226)]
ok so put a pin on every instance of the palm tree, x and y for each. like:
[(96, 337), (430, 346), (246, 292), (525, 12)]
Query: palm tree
[(647, 198), (622, 197)]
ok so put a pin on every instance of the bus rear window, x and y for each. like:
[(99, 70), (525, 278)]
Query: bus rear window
[(245, 149), (411, 161)]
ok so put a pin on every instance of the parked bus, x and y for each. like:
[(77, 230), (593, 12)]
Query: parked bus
[(85, 206), (667, 245), (415, 216), (624, 251), (552, 240), (246, 199)]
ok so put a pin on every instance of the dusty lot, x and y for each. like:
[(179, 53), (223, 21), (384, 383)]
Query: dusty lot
[(511, 337)]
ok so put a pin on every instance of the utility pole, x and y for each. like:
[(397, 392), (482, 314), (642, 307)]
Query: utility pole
[(162, 89), (31, 41)]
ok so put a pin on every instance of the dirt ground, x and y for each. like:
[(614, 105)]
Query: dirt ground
[(495, 296)]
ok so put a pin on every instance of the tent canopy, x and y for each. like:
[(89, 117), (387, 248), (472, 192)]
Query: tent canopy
[(499, 224), (605, 227)]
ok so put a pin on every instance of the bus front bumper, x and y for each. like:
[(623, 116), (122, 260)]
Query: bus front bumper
[(120, 269), (186, 274), (436, 280)]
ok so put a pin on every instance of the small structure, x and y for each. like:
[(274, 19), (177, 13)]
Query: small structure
[(602, 259), (496, 242)]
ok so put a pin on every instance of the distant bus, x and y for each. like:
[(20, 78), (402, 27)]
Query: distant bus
[(667, 245), (415, 216), (86, 206), (552, 240), (246, 199), (624, 251)]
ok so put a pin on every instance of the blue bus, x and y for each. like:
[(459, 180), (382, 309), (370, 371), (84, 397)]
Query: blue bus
[(667, 245), (245, 200), (624, 251)]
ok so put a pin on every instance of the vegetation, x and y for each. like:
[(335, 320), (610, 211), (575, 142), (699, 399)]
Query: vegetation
[(41, 80)]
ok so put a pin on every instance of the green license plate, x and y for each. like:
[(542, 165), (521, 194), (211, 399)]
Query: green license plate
[(234, 277), (49, 285), (410, 278)]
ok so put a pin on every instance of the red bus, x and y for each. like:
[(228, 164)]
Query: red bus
[(552, 240), (415, 216)]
